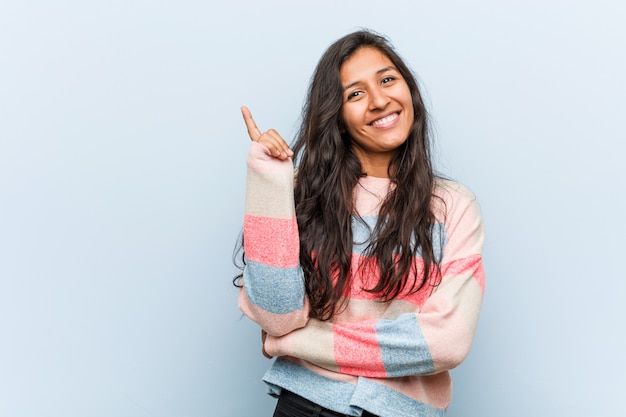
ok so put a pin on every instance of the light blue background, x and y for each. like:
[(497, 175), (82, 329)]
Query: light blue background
[(122, 162)]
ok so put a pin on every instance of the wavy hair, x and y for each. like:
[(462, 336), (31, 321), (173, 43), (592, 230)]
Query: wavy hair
[(328, 171)]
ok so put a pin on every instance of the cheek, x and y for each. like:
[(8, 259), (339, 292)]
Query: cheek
[(408, 98), (349, 119), (410, 110), (412, 116)]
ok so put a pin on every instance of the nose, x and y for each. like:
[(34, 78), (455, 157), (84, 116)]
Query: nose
[(378, 99)]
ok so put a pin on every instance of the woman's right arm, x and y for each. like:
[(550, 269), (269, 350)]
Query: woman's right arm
[(273, 293)]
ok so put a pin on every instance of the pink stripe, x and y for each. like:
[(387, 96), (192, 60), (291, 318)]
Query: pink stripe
[(272, 241), (367, 276), (364, 276), (472, 264), (357, 351)]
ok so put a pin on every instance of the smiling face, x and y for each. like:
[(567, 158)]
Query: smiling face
[(377, 108)]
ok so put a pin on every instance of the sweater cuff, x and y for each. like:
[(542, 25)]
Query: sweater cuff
[(259, 158)]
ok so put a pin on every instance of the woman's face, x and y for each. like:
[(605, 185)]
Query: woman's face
[(377, 108)]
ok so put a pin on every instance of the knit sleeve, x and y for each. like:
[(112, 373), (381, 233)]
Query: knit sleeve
[(273, 284), (433, 338)]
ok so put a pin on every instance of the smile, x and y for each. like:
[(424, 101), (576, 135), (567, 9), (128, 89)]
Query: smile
[(386, 121)]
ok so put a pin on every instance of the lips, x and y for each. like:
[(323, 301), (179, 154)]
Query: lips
[(386, 121)]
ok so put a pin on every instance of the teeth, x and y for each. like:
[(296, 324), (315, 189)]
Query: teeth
[(385, 120)]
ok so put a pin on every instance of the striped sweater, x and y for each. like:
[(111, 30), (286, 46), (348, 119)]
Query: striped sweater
[(389, 358)]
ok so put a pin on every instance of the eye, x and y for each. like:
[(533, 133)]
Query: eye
[(354, 94), (388, 79)]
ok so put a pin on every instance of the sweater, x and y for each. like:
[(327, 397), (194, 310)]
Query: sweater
[(391, 358)]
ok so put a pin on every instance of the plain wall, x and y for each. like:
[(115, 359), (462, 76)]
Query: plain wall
[(122, 164)]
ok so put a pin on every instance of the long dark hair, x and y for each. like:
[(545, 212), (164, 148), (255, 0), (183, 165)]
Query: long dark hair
[(328, 171)]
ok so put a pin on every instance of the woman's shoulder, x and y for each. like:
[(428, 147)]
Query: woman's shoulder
[(452, 191), (453, 201)]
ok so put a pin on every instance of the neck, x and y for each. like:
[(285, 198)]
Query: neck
[(376, 168)]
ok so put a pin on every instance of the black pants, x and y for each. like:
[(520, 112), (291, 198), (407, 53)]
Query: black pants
[(293, 405)]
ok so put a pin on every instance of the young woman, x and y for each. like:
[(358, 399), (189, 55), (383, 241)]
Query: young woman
[(362, 268)]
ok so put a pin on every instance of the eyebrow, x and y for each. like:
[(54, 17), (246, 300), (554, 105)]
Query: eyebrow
[(380, 71)]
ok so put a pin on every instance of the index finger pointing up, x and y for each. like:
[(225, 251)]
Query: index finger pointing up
[(253, 131)]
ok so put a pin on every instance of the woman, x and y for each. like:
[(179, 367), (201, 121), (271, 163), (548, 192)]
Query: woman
[(365, 273)]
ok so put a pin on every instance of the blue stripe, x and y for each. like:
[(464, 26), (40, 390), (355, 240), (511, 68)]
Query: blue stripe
[(362, 233), (343, 397), (385, 402), (328, 393), (403, 347), (440, 239), (277, 290)]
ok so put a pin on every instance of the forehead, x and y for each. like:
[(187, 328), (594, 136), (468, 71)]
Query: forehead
[(364, 63)]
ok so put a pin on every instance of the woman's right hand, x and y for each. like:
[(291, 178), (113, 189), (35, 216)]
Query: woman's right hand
[(271, 139)]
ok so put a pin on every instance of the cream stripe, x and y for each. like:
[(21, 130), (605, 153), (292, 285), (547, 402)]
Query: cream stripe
[(269, 195)]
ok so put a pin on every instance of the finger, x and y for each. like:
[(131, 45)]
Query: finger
[(275, 144), (253, 130)]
